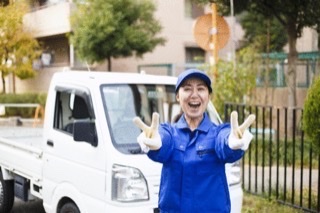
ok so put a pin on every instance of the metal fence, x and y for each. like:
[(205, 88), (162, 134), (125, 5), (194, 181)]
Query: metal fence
[(280, 162)]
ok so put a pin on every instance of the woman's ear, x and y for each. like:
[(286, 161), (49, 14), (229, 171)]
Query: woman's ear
[(177, 97)]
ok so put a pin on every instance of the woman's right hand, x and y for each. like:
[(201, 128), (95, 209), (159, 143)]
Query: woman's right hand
[(149, 139)]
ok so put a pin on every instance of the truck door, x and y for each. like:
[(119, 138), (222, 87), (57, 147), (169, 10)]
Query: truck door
[(74, 164)]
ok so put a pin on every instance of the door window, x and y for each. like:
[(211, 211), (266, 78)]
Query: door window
[(69, 107)]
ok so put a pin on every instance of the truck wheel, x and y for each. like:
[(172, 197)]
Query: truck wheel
[(69, 208), (6, 195)]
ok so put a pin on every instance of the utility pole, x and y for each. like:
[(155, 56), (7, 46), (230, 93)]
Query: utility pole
[(214, 41)]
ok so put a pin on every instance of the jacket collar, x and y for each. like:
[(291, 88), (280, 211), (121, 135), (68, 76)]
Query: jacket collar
[(204, 126)]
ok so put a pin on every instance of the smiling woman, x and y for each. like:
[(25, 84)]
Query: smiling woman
[(194, 150)]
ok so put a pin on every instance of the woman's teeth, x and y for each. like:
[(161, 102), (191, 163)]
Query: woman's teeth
[(194, 104)]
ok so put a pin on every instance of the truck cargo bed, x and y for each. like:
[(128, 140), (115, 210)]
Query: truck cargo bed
[(23, 135), (20, 150)]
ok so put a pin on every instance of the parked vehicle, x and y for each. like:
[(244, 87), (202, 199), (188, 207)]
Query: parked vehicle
[(86, 158)]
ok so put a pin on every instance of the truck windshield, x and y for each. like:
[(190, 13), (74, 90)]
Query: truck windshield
[(123, 102)]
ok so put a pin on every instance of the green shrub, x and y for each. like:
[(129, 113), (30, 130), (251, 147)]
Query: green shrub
[(281, 152), (39, 98), (311, 115)]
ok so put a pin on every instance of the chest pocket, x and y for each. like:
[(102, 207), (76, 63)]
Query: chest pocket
[(206, 148), (180, 142), (206, 157), (179, 151)]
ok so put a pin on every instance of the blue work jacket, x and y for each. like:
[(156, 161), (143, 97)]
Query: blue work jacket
[(193, 175)]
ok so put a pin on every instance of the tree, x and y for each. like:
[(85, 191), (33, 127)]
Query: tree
[(265, 37), (18, 48), (293, 16), (103, 29)]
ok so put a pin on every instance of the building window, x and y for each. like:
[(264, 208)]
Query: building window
[(195, 55), (192, 10), (55, 51)]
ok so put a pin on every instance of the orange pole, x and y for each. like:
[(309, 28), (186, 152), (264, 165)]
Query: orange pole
[(39, 110), (214, 39)]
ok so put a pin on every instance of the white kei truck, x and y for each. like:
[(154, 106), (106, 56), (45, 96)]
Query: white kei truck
[(86, 157)]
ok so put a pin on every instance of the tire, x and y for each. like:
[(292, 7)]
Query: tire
[(69, 208), (6, 195)]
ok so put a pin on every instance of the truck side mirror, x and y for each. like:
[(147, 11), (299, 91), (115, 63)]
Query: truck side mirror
[(85, 131)]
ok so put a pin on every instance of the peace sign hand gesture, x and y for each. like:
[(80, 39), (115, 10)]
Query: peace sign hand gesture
[(240, 137), (149, 139)]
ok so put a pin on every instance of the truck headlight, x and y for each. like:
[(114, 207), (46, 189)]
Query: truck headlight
[(128, 184)]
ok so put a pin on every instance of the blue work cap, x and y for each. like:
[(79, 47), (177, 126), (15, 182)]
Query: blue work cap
[(193, 73)]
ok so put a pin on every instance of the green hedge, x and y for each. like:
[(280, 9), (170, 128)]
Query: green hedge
[(39, 98), (311, 114)]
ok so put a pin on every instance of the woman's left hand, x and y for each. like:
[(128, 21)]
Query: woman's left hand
[(240, 137)]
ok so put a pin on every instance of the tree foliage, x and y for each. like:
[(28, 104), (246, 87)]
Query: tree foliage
[(265, 37), (106, 28), (311, 118), (18, 48)]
